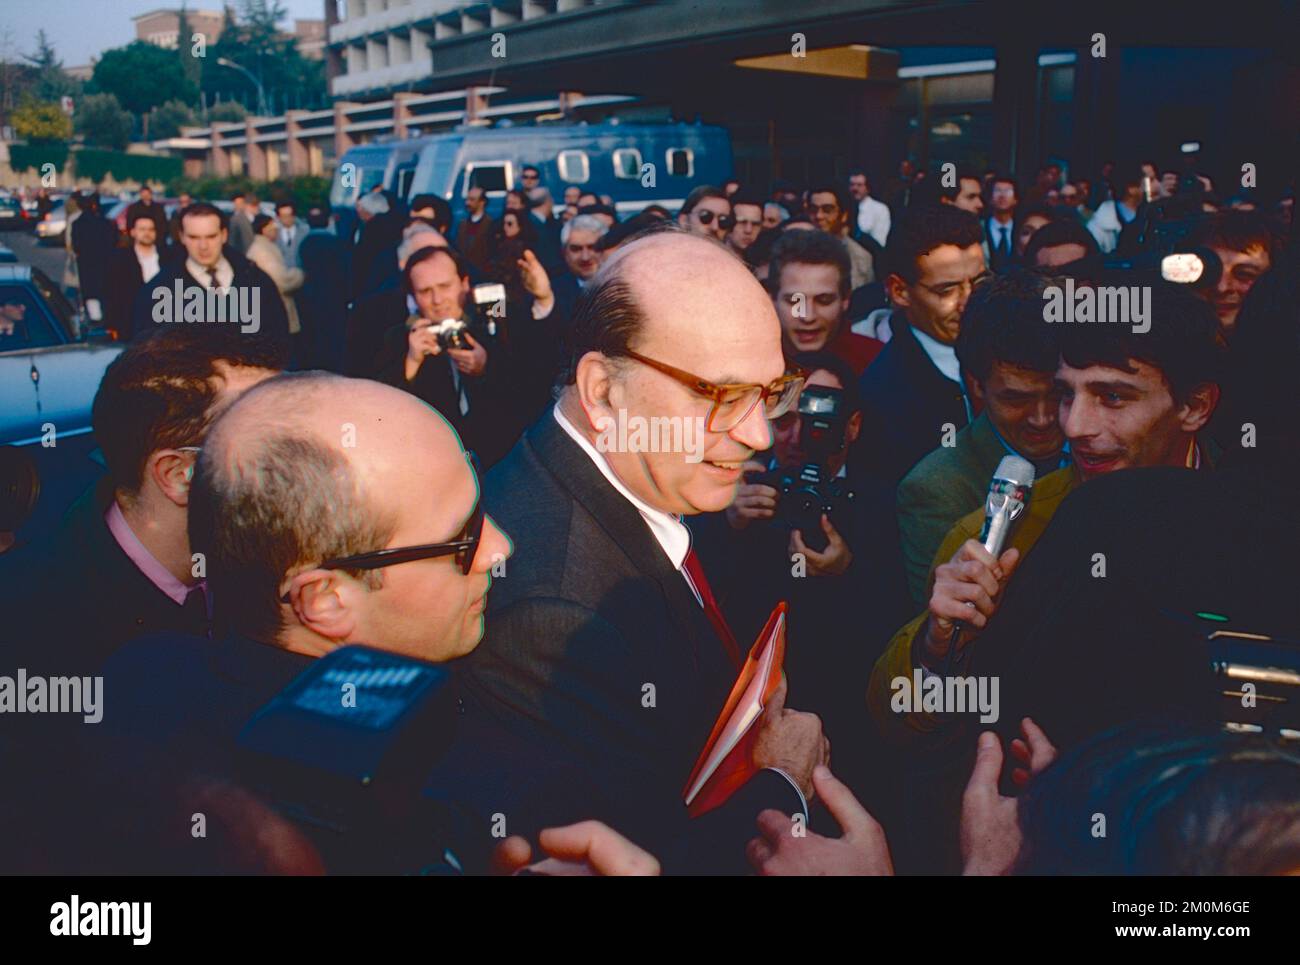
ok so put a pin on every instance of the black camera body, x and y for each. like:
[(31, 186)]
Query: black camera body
[(808, 490), (451, 333)]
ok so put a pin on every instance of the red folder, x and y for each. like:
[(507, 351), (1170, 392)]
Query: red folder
[(726, 762)]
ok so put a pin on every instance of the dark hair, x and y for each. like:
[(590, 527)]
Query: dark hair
[(531, 167), (279, 205), (1177, 801), (1005, 179), (810, 362), (441, 210), (290, 499), (1238, 230), (599, 209), (202, 209), (951, 191), (1025, 212), (1058, 232), (760, 252), (237, 196), (158, 393), (426, 254), (809, 248), (796, 219), (923, 229), (1003, 322), (738, 199), (260, 221), (1182, 341), (318, 217), (841, 196), (699, 194), (137, 215)]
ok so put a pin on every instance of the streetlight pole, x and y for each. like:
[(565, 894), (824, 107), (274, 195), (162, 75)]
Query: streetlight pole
[(261, 93)]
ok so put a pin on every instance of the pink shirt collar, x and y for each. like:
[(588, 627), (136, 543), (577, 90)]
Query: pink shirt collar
[(145, 561)]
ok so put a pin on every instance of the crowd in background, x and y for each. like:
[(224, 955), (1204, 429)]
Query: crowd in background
[(913, 307)]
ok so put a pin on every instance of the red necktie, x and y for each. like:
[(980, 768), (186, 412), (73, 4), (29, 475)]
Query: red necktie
[(711, 609)]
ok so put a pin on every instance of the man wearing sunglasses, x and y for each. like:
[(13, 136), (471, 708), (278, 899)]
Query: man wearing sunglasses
[(707, 211), (331, 511), (606, 636)]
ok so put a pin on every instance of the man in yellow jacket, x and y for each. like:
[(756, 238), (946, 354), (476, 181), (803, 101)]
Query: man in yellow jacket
[(1130, 397)]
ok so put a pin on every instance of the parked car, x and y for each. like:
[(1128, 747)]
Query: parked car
[(12, 215), (7, 255), (51, 364), (49, 230)]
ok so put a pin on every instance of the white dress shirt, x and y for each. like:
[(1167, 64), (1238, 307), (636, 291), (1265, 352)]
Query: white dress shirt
[(668, 530), (148, 262), (873, 219)]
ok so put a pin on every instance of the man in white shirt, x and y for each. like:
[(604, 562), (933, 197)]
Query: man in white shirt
[(873, 216), (289, 233), (1112, 217)]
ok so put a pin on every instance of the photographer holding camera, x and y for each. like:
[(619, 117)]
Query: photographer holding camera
[(804, 529), (448, 356)]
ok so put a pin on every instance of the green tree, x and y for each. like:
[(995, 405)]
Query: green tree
[(254, 42), (103, 122), (51, 83), (168, 119), (40, 122), (190, 65), (226, 111), (141, 76)]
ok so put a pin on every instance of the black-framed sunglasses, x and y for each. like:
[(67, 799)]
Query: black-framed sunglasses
[(725, 221), (464, 546)]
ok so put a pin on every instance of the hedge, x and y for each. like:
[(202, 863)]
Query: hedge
[(23, 157), (95, 164)]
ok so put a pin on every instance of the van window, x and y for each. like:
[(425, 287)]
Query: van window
[(627, 162), (494, 177), (404, 178), (681, 162), (574, 167)]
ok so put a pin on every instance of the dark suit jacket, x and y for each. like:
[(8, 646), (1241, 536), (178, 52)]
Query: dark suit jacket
[(491, 426), (590, 614), (272, 321), (905, 403), (93, 239), (999, 261), (323, 300), (124, 281), (78, 597)]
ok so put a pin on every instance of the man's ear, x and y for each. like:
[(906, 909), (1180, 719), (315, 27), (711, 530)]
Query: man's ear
[(853, 428), (599, 391), (326, 602), (171, 472), (976, 388), (1200, 405), (896, 287)]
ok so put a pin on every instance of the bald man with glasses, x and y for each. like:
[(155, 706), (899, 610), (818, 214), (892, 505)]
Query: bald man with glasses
[(605, 636)]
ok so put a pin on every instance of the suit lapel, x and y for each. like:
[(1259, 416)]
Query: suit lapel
[(622, 522)]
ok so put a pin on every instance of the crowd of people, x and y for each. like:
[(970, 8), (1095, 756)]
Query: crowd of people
[(405, 446)]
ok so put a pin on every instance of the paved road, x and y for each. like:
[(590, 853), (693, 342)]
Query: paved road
[(48, 260)]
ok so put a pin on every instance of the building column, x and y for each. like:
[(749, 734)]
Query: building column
[(342, 140), (475, 103), (219, 159), (401, 113), (298, 162), (256, 152)]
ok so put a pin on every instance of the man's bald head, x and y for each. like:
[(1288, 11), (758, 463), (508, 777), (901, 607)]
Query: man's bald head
[(669, 282), (304, 468), (682, 302)]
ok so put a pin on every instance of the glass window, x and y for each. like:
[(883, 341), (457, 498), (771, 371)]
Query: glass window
[(681, 162), (574, 167), (56, 302), (493, 177), (627, 163), (22, 324)]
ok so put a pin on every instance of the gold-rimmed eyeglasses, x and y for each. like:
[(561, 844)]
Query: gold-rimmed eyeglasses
[(733, 402)]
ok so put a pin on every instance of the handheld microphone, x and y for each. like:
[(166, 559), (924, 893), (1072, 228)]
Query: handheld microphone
[(1008, 493)]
